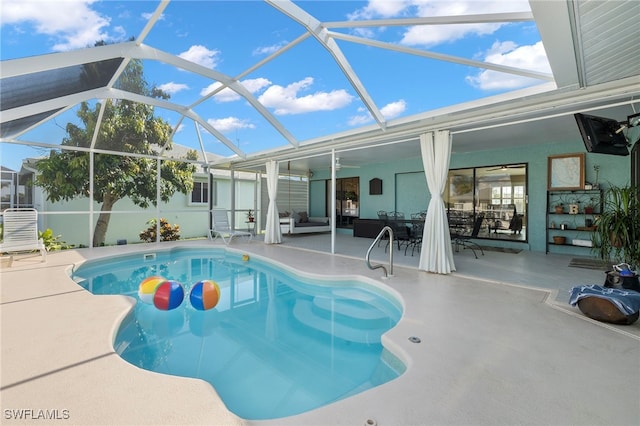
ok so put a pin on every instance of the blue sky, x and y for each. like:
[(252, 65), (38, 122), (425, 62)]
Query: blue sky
[(303, 88)]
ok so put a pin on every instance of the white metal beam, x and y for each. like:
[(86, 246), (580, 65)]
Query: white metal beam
[(444, 57), (560, 39), (121, 94), (146, 52), (52, 61), (152, 21), (319, 31), (435, 20)]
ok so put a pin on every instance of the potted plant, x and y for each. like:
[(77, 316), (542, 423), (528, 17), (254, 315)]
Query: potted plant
[(589, 207), (617, 235), (559, 208), (250, 217)]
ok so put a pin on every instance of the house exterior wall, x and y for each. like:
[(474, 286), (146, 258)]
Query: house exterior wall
[(70, 219), (402, 187)]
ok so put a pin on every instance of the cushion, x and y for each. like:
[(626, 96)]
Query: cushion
[(304, 217), (284, 214)]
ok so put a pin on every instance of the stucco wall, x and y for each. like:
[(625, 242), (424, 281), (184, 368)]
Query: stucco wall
[(400, 180)]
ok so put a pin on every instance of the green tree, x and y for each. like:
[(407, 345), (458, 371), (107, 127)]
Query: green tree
[(126, 127)]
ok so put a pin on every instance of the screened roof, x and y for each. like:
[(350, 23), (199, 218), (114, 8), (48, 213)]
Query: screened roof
[(251, 80)]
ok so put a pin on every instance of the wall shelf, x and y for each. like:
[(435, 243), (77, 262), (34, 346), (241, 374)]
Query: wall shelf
[(578, 225)]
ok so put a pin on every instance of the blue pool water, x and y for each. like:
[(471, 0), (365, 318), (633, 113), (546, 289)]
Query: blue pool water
[(275, 344)]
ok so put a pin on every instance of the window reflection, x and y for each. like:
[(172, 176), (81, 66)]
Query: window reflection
[(498, 192)]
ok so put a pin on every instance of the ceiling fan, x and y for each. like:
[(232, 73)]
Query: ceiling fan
[(339, 165)]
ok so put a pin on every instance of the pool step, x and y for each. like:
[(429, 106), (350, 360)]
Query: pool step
[(303, 311)]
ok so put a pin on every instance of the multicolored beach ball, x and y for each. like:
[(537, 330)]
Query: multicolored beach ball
[(169, 295), (205, 295), (147, 288)]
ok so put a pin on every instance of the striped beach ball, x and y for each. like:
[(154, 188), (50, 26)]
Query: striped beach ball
[(205, 295), (147, 288), (169, 295)]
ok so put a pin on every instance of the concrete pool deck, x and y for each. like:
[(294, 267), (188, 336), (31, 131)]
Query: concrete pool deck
[(495, 348)]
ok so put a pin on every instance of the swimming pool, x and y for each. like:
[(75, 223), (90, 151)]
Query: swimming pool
[(276, 344)]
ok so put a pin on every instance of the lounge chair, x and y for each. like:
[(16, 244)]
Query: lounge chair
[(20, 232), (222, 228)]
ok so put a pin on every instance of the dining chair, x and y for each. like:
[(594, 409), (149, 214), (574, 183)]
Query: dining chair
[(463, 239)]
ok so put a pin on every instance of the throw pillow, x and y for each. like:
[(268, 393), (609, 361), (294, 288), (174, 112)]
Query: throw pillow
[(304, 217)]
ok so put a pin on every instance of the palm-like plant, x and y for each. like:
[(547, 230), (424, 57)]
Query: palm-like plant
[(617, 236)]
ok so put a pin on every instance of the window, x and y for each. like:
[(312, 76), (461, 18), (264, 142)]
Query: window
[(200, 193), (498, 192)]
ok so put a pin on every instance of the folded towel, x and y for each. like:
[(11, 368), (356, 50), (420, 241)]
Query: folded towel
[(627, 301)]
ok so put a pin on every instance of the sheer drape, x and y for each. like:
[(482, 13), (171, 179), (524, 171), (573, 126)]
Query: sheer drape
[(436, 254), (272, 234)]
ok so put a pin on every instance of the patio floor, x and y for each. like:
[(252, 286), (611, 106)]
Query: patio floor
[(500, 345)]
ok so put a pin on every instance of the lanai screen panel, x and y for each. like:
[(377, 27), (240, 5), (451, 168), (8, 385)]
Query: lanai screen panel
[(14, 127), (33, 88), (41, 86)]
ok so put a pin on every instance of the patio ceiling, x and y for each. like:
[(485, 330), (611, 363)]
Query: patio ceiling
[(591, 47)]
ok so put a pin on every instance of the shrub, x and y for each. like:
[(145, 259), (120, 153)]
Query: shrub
[(167, 232), (52, 242)]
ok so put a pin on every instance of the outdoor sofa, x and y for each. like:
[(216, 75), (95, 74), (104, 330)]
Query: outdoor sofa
[(301, 223)]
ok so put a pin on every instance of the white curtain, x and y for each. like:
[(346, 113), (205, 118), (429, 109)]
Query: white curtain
[(436, 254), (272, 234)]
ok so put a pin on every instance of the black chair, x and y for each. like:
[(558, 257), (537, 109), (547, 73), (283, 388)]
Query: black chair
[(463, 239), (516, 221), (415, 234), (400, 234), (396, 215)]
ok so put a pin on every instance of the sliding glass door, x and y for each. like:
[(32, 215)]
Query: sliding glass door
[(499, 193)]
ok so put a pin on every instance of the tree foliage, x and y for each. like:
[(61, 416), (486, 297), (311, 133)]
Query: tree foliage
[(126, 127)]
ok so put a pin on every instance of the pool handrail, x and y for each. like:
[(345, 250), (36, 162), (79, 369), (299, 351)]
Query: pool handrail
[(386, 229)]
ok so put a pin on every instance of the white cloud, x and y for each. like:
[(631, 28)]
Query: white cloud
[(201, 55), (437, 34), (393, 109), (70, 24), (286, 100), (388, 111), (380, 9), (268, 50), (360, 119), (147, 16), (229, 124), (532, 57), (253, 85), (210, 88), (172, 88)]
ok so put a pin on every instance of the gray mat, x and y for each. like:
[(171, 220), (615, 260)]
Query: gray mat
[(578, 262), (501, 249)]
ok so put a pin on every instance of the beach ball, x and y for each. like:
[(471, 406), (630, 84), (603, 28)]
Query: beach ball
[(147, 288), (169, 295), (205, 295)]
